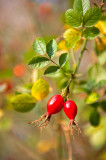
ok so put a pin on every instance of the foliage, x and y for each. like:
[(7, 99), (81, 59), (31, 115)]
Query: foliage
[(83, 24), (23, 102), (40, 89)]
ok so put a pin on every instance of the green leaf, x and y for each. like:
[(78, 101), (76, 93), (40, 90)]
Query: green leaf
[(95, 105), (73, 18), (23, 102), (100, 84), (94, 118), (81, 6), (92, 98), (97, 72), (38, 62), (103, 105), (72, 36), (39, 46), (92, 16), (89, 86), (103, 18), (62, 59), (51, 48), (51, 70), (91, 33)]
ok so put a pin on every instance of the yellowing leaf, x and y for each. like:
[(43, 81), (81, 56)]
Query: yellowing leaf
[(72, 36), (40, 89), (79, 43), (93, 97), (104, 41), (101, 43), (66, 26), (101, 25), (62, 46)]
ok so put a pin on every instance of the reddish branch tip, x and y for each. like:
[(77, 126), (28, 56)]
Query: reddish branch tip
[(102, 4)]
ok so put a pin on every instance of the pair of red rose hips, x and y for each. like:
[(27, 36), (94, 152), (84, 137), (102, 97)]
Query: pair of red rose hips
[(54, 105)]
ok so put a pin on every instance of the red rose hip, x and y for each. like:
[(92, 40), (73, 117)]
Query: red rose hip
[(70, 109), (54, 105)]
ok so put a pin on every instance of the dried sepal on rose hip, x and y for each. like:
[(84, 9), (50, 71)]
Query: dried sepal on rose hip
[(54, 105), (70, 109)]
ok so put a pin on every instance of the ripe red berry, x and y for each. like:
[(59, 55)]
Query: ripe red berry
[(70, 109), (54, 105), (19, 70)]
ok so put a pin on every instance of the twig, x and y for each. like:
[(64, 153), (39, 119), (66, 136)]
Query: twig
[(67, 137), (77, 65), (66, 73), (60, 138), (73, 58), (80, 56), (58, 39)]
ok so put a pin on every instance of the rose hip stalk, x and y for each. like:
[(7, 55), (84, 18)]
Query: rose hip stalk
[(54, 105), (70, 109)]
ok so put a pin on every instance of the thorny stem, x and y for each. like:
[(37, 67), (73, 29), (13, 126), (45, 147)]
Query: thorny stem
[(72, 55), (80, 56), (77, 66)]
